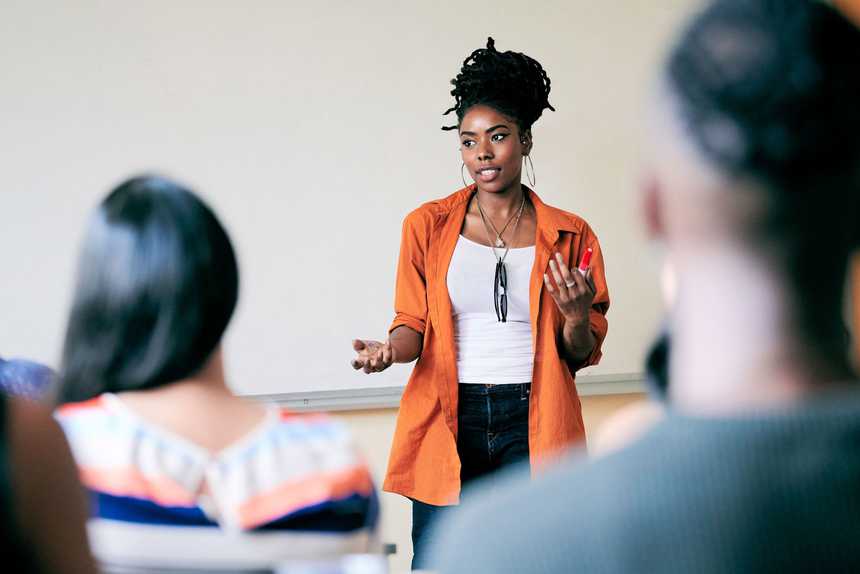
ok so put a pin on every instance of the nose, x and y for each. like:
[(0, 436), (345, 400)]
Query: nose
[(485, 151)]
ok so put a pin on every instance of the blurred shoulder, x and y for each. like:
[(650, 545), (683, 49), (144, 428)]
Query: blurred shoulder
[(564, 517), (32, 428)]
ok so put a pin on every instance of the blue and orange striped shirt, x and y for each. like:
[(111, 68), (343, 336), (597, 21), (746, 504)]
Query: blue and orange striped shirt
[(292, 472)]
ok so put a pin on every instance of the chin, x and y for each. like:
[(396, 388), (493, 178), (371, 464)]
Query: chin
[(496, 187)]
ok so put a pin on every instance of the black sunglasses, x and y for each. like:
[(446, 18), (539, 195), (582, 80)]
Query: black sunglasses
[(500, 292)]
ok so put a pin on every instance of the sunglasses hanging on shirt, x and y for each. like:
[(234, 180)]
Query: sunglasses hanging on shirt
[(500, 283), (500, 292)]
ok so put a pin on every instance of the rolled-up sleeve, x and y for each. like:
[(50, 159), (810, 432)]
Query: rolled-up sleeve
[(600, 305), (410, 295)]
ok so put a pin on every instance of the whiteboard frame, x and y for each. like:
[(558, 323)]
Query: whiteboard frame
[(368, 398)]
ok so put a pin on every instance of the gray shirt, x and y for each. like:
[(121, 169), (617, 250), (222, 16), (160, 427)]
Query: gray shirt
[(776, 492)]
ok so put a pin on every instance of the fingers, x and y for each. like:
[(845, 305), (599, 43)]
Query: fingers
[(572, 278), (570, 282), (372, 363), (553, 291), (373, 356), (571, 289), (548, 283), (559, 280), (589, 280), (363, 348), (379, 360), (387, 354)]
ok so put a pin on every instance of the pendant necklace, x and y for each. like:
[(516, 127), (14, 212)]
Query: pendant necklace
[(500, 283)]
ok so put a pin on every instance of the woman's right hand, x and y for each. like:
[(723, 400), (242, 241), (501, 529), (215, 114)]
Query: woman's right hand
[(373, 356)]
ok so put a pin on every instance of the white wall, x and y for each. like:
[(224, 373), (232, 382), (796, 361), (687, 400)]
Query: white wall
[(312, 128)]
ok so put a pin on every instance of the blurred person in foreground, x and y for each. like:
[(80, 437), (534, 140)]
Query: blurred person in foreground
[(159, 438), (630, 422), (27, 379), (754, 188), (42, 504)]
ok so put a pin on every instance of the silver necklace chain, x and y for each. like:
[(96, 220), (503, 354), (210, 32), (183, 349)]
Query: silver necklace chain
[(499, 241), (507, 246)]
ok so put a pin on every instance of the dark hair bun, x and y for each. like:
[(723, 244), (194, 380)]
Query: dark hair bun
[(510, 82)]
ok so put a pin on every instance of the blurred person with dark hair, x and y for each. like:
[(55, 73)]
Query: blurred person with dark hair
[(28, 379), (158, 436), (755, 189)]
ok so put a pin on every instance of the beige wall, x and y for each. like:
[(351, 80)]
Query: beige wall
[(373, 430), (313, 128)]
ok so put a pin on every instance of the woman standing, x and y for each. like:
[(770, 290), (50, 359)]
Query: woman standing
[(490, 302)]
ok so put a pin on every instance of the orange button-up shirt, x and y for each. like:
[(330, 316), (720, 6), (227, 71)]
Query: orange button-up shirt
[(424, 464)]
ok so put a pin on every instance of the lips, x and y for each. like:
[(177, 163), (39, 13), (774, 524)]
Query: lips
[(486, 174)]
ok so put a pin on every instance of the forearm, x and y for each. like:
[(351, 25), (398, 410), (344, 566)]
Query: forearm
[(405, 344), (577, 342)]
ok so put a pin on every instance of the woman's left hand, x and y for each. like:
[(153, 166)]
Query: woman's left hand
[(571, 290)]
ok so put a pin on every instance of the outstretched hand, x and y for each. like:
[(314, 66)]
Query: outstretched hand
[(373, 356), (572, 290)]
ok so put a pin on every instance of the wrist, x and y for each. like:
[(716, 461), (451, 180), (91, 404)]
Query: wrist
[(579, 341), (574, 324)]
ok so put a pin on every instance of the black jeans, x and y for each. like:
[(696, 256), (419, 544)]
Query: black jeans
[(493, 432)]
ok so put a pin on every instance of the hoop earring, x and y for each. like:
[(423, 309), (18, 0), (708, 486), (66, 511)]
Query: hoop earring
[(527, 163), (463, 177)]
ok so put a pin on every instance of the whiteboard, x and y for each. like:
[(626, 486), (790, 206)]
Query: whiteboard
[(312, 128)]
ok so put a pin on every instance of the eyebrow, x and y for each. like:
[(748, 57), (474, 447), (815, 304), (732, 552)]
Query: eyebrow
[(488, 130)]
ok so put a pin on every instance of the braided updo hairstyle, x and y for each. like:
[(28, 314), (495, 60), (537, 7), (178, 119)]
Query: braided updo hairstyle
[(769, 92), (510, 82)]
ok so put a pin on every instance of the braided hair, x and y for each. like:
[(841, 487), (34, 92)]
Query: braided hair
[(510, 82), (770, 90)]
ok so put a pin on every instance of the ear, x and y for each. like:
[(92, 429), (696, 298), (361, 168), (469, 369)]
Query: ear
[(651, 198), (526, 141)]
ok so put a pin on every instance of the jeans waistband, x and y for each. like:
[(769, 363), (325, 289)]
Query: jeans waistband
[(472, 389)]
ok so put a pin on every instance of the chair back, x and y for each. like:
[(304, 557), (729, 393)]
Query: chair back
[(130, 548)]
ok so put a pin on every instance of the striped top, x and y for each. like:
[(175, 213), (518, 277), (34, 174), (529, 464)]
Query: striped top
[(292, 472)]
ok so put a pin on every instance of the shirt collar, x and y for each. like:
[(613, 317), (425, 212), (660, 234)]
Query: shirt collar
[(550, 221)]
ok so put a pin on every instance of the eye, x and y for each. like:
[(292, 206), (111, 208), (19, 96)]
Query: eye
[(499, 137), (467, 143)]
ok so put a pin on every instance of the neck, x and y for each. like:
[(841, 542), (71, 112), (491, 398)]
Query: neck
[(501, 204), (210, 380), (736, 345)]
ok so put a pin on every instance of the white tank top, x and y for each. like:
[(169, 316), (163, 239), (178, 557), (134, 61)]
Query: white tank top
[(489, 351)]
